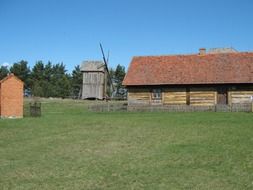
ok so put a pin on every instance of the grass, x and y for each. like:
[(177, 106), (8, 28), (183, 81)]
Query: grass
[(71, 148)]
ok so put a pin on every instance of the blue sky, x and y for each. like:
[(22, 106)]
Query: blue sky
[(69, 31)]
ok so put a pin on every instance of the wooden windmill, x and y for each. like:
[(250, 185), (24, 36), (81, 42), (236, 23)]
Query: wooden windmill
[(96, 79)]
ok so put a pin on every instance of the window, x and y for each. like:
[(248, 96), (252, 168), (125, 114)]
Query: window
[(157, 94)]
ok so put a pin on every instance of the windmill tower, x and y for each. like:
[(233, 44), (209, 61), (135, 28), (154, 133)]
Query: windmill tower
[(96, 79)]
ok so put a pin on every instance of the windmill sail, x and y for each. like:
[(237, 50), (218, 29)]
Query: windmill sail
[(107, 70)]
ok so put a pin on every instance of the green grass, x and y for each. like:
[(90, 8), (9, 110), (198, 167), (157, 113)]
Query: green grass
[(71, 148)]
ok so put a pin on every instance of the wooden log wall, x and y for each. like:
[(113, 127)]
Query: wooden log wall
[(240, 96), (203, 96), (174, 96), (197, 96), (139, 96)]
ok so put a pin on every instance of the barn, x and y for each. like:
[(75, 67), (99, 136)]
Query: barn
[(11, 97), (203, 79)]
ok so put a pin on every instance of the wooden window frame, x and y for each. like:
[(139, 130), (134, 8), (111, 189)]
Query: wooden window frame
[(156, 94)]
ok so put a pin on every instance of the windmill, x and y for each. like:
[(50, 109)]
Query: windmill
[(108, 79), (96, 79)]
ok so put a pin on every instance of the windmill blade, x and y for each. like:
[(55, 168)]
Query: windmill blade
[(103, 54), (108, 54), (106, 67), (107, 59)]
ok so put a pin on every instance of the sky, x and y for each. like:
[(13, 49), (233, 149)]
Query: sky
[(70, 31)]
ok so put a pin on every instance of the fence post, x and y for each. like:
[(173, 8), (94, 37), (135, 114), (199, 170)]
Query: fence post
[(251, 103), (35, 109)]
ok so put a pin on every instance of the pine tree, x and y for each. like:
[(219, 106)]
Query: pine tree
[(119, 75), (3, 72), (22, 71), (37, 77), (76, 82)]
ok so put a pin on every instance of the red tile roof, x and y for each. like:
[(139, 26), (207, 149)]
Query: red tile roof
[(217, 68)]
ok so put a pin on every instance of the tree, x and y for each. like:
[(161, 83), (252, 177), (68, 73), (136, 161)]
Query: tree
[(60, 81), (50, 80), (118, 77), (38, 71), (48, 86), (22, 71), (76, 81), (37, 77), (3, 72)]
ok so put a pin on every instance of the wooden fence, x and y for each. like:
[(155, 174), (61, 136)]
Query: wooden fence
[(110, 107), (32, 109)]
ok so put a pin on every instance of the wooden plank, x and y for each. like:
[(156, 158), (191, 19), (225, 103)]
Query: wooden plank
[(229, 98), (202, 104), (202, 92), (215, 97), (202, 89), (174, 96), (240, 92), (202, 98), (175, 103), (139, 97), (203, 101), (240, 96), (174, 99), (174, 93), (175, 90)]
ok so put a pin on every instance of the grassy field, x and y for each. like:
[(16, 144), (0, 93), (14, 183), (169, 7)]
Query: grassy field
[(71, 148)]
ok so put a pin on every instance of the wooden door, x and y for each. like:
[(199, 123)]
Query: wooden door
[(222, 96)]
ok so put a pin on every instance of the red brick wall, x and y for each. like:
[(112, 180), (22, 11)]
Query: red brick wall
[(11, 98), (0, 99)]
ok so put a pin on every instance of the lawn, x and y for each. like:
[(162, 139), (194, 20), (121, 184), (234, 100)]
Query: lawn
[(72, 148)]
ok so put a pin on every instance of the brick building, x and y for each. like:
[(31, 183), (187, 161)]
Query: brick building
[(11, 97)]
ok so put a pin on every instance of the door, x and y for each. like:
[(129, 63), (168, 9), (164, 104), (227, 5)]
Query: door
[(222, 96)]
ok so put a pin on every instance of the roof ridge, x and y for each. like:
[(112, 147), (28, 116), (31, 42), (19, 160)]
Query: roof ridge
[(9, 76), (193, 54)]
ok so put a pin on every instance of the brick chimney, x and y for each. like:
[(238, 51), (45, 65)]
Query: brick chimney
[(202, 51)]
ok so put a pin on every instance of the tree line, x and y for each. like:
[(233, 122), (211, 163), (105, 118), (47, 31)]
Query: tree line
[(53, 80)]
